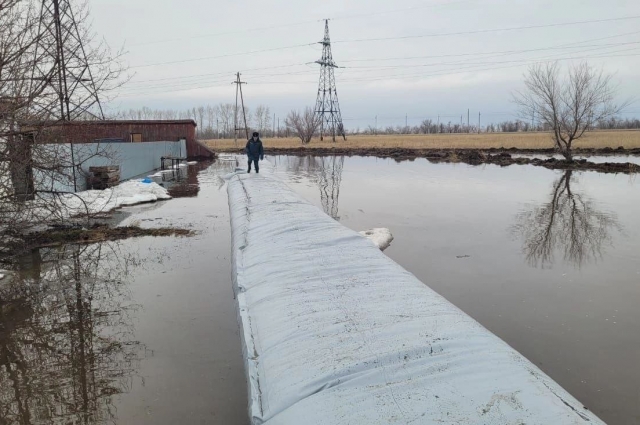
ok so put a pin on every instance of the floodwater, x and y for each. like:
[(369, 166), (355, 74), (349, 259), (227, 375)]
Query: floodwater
[(141, 331), (598, 159), (547, 260), (144, 331)]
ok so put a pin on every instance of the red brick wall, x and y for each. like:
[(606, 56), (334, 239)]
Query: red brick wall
[(152, 131)]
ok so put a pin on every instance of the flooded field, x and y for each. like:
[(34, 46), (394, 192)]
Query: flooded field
[(547, 260), (144, 331)]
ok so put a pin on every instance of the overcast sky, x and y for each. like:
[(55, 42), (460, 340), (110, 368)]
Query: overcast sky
[(436, 57)]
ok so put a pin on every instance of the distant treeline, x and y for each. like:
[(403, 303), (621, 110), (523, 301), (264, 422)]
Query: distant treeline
[(217, 122), (214, 121), (430, 127)]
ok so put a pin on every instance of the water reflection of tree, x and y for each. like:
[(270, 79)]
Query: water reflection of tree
[(569, 223), (66, 337), (327, 172)]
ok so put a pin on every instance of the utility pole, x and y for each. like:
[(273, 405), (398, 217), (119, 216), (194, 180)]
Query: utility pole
[(327, 107), (533, 117), (239, 84), (460, 123), (438, 126)]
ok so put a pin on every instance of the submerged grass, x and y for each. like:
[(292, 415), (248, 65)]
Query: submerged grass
[(629, 139)]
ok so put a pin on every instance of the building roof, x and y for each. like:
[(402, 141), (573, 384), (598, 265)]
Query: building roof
[(117, 122)]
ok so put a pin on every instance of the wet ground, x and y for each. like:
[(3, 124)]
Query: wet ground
[(144, 330)]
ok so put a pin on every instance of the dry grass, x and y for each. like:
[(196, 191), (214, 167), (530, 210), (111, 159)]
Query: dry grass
[(598, 139)]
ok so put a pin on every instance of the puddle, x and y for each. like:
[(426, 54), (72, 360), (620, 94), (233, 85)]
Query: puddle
[(547, 260)]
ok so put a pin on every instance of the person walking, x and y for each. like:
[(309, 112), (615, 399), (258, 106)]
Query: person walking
[(255, 151)]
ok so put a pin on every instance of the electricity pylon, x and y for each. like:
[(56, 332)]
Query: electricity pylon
[(327, 107)]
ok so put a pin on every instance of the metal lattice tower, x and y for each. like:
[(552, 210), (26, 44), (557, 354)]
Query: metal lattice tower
[(64, 64), (327, 108)]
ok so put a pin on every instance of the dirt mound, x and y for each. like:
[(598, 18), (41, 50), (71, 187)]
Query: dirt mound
[(502, 156)]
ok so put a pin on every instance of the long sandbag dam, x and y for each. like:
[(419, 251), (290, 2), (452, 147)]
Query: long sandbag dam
[(335, 332)]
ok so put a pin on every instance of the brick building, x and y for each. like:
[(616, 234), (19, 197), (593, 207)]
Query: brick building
[(126, 131)]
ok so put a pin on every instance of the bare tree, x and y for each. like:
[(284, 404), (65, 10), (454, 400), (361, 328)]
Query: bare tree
[(262, 117), (33, 172), (224, 112), (570, 105), (303, 125), (211, 119)]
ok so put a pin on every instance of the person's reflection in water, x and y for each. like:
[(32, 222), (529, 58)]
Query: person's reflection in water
[(568, 223), (66, 337)]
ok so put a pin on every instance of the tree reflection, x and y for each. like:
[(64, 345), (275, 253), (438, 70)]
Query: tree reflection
[(329, 180), (327, 173), (66, 336), (569, 224)]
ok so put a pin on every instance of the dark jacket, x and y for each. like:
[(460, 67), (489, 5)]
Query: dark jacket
[(255, 150)]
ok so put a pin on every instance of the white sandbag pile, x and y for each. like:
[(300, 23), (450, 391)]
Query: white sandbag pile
[(380, 236), (335, 332)]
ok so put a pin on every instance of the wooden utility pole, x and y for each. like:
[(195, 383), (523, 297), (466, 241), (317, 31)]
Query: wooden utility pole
[(239, 84)]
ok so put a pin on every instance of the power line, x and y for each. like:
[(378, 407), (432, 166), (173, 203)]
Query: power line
[(389, 38), (219, 73), (191, 83), (295, 24), (575, 45), (373, 68), (446, 34), (496, 53), (387, 12), (253, 52), (473, 68)]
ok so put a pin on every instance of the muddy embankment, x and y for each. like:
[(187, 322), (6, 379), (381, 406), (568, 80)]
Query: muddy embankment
[(498, 156), (17, 242)]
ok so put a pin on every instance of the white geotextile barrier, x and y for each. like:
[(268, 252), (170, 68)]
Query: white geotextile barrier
[(335, 332)]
